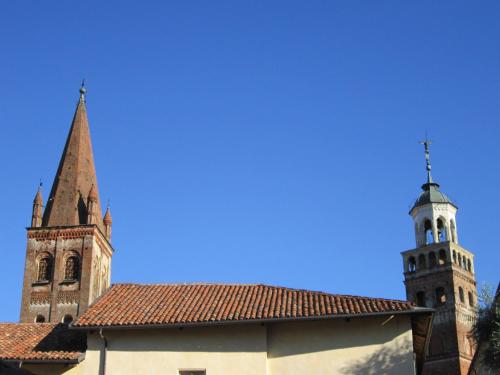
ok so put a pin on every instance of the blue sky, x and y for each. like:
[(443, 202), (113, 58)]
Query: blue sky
[(256, 142)]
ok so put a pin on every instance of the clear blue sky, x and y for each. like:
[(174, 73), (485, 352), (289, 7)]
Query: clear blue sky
[(256, 141)]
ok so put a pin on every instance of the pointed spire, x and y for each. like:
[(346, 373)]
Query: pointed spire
[(426, 144), (38, 197), (75, 177), (430, 184), (36, 215), (91, 205), (107, 216), (93, 196), (107, 223)]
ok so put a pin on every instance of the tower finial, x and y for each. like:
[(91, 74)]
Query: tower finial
[(426, 144), (83, 90)]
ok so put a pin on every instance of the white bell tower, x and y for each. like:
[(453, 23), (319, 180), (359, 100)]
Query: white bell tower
[(433, 213)]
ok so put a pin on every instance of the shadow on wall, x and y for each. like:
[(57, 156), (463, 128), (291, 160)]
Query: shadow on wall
[(6, 369), (385, 361)]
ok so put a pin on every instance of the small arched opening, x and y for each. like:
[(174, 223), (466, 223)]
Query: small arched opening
[(429, 237), (412, 264), (40, 319), (442, 257), (442, 235), (471, 299), (469, 265), (454, 256), (440, 296), (420, 298), (432, 259), (461, 294), (422, 264), (72, 268), (44, 268), (67, 319)]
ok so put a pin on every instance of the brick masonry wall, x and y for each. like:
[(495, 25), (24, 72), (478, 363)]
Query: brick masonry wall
[(59, 297)]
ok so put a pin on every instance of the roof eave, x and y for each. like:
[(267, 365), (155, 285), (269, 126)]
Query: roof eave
[(413, 311), (46, 361), (423, 204)]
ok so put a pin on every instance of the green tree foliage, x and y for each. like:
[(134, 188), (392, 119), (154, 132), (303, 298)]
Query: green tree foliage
[(487, 328)]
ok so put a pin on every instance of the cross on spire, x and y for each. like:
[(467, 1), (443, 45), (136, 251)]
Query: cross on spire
[(426, 144), (83, 90)]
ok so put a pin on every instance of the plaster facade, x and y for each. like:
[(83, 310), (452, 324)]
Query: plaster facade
[(370, 345)]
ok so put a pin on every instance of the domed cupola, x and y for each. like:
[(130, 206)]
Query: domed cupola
[(431, 194)]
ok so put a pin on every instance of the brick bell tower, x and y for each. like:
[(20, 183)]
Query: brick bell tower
[(439, 273), (68, 256)]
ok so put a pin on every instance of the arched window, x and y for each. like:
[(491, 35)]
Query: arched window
[(441, 230), (45, 268), (442, 257), (440, 296), (471, 299), (432, 259), (72, 268), (469, 265), (67, 319), (461, 294), (454, 256), (39, 319), (420, 299), (429, 237), (421, 262), (412, 264), (459, 259)]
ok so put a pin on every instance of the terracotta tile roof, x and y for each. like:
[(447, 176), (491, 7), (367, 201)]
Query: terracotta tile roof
[(40, 342), (142, 305)]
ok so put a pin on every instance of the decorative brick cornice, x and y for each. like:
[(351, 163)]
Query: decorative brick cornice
[(70, 232), (70, 296), (40, 298), (52, 233)]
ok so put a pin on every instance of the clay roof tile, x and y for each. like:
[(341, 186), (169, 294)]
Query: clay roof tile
[(175, 304)]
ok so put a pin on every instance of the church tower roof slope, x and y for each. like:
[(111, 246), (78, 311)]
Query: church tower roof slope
[(75, 177)]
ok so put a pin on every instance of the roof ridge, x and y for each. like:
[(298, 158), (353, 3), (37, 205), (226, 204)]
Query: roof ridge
[(263, 285)]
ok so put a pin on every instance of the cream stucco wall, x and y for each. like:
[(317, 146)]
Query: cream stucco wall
[(358, 346), (220, 350)]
